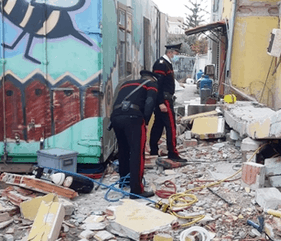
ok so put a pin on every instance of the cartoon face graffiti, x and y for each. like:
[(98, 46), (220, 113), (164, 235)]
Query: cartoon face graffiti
[(42, 18)]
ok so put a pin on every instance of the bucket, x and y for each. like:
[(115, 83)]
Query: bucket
[(206, 83), (205, 93)]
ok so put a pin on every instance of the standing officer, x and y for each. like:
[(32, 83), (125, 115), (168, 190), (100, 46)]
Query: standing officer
[(131, 113), (164, 110)]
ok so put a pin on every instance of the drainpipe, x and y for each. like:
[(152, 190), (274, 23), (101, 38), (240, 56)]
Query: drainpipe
[(230, 38)]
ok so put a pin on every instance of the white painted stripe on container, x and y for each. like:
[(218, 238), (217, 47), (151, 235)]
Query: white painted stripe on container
[(9, 6), (50, 23), (27, 16)]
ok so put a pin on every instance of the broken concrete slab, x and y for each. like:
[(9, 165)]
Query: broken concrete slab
[(86, 234), (272, 166), (7, 207), (68, 206), (93, 226), (248, 144), (47, 223), (208, 127), (253, 120), (138, 221), (6, 223), (4, 217), (268, 198), (273, 171), (222, 170), (14, 197), (103, 236), (191, 118), (94, 219)]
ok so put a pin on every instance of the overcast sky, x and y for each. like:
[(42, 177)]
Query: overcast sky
[(176, 8)]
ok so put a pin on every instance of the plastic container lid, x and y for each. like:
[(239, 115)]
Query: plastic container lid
[(57, 152)]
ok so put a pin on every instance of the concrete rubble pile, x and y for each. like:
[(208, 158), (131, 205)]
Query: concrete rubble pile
[(228, 190)]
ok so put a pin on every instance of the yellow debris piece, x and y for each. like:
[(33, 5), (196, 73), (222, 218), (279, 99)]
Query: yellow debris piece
[(230, 99), (29, 208), (47, 223)]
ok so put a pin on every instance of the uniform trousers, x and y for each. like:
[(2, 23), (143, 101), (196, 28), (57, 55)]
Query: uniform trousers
[(167, 120), (130, 132)]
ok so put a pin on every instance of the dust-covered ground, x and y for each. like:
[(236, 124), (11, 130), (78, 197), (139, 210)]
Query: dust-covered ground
[(212, 174)]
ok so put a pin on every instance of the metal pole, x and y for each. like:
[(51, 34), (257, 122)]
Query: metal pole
[(3, 83)]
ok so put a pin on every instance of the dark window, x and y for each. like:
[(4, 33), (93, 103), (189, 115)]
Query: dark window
[(125, 41)]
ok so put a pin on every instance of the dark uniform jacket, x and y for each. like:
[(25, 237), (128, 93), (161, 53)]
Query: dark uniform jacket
[(166, 84), (144, 98)]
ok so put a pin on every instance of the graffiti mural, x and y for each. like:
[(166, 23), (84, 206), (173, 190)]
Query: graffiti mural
[(53, 69), (41, 20), (60, 70)]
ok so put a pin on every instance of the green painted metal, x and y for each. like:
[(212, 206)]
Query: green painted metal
[(83, 137)]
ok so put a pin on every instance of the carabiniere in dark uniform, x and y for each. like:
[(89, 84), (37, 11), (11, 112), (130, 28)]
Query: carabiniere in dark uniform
[(166, 91), (131, 113)]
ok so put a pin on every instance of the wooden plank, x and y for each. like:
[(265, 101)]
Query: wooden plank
[(38, 185), (16, 167)]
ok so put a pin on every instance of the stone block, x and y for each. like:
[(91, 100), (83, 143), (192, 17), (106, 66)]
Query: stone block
[(4, 217), (86, 234), (68, 206), (253, 175), (187, 135), (249, 156), (273, 171), (272, 166), (234, 135), (191, 142), (103, 236), (268, 198), (162, 237)]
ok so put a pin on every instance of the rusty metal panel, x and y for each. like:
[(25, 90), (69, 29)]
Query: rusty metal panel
[(92, 102), (66, 106), (38, 112), (14, 111)]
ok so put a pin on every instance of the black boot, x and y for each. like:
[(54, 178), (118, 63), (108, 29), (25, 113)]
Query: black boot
[(177, 159), (144, 194)]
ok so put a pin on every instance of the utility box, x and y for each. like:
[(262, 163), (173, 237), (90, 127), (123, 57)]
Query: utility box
[(274, 47), (57, 158)]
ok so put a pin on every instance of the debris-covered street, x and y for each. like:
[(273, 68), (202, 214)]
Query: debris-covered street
[(186, 109), (221, 193)]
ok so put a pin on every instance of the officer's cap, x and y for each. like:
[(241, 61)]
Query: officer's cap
[(149, 73), (175, 47)]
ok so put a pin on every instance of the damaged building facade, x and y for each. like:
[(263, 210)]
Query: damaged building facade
[(251, 62), (245, 50)]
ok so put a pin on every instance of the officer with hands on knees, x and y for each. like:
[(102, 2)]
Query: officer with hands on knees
[(131, 114), (164, 110)]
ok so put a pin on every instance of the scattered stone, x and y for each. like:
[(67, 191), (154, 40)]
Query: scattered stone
[(103, 235), (86, 234)]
